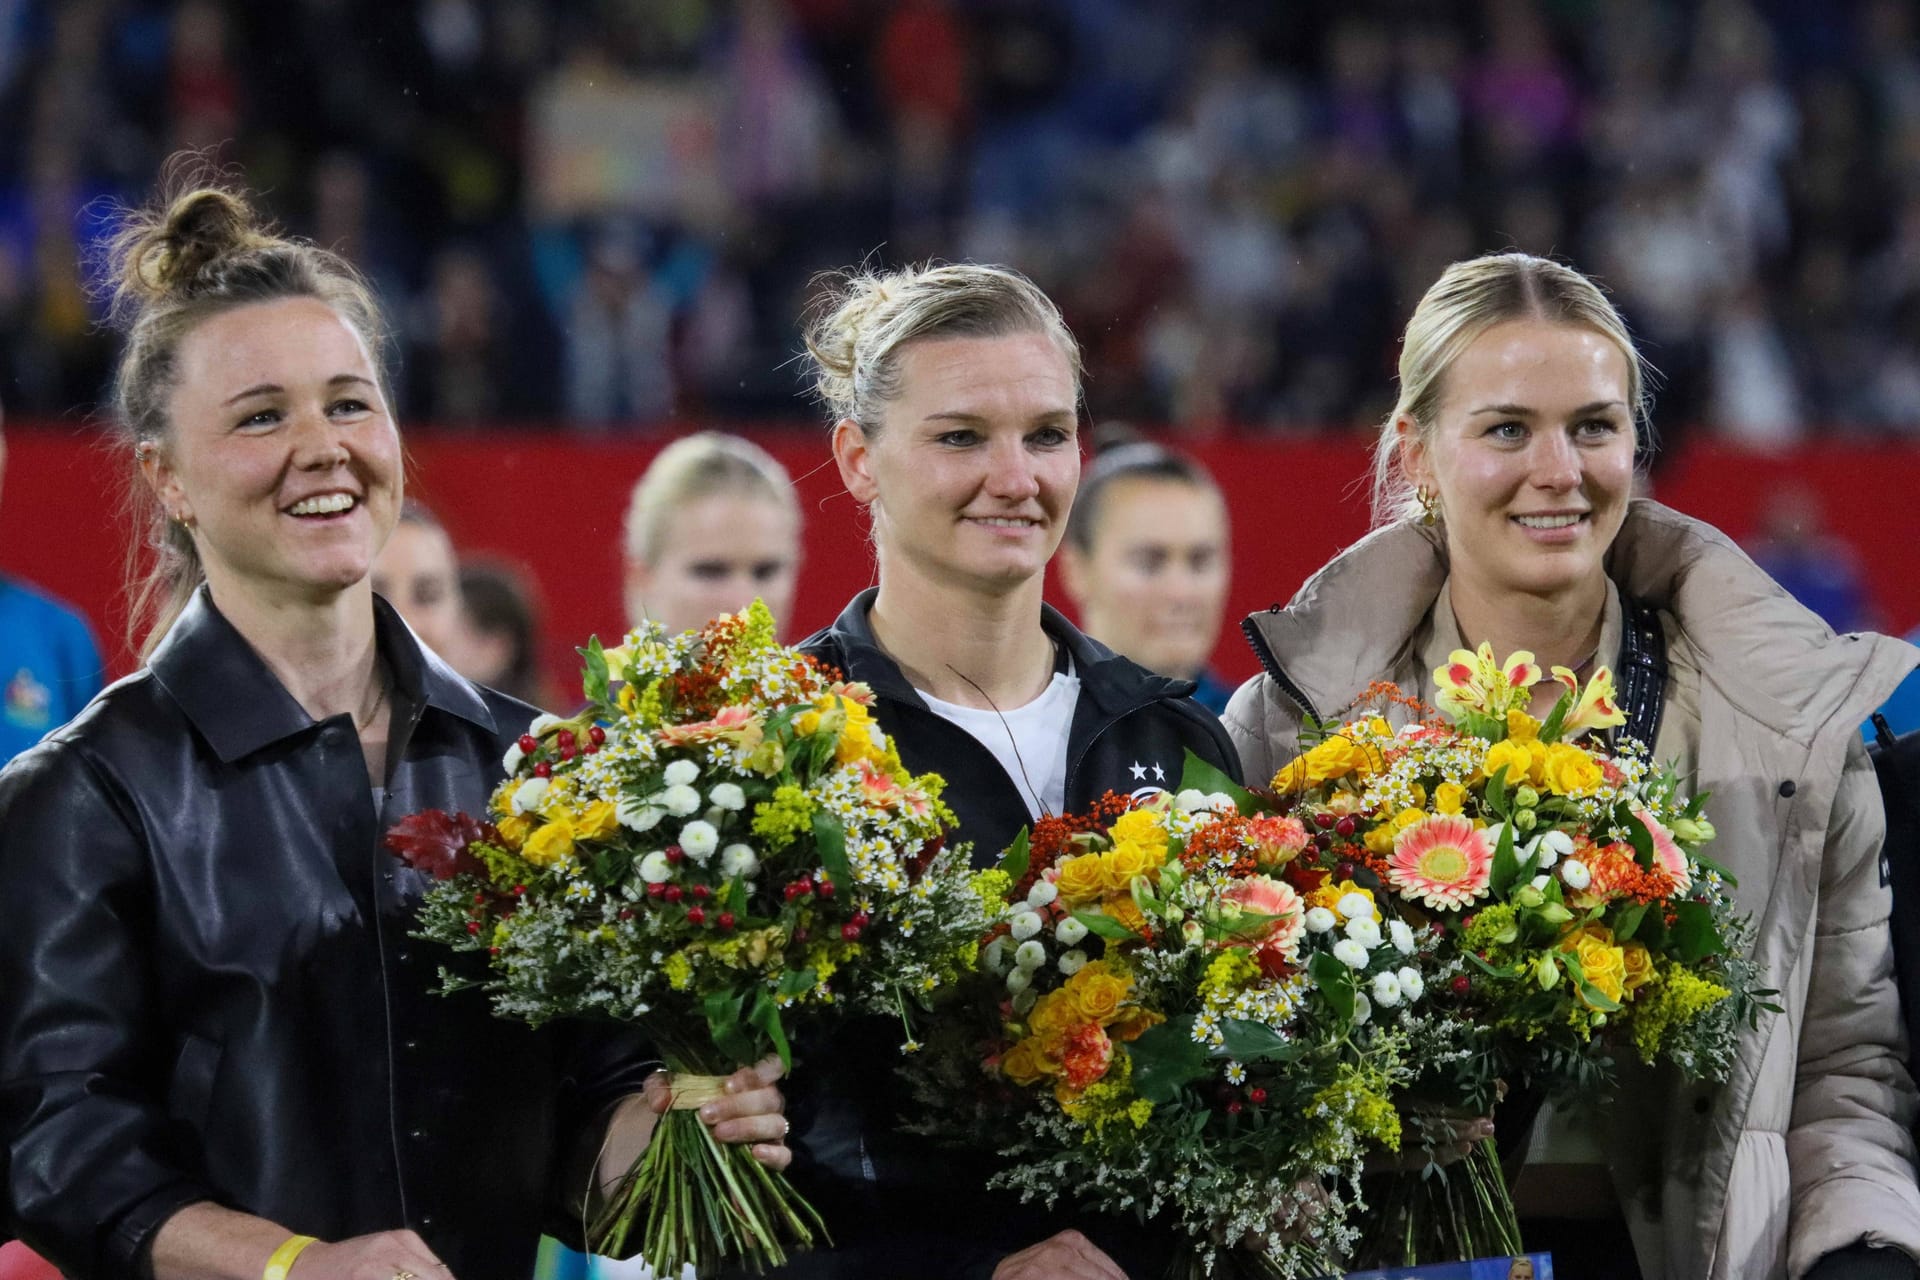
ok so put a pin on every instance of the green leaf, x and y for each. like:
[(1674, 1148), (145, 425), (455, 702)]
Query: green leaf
[(1166, 1059), (1335, 981), (1497, 791), (1197, 775), (795, 982), (1018, 857), (766, 1016), (1641, 839), (1694, 936), (1506, 867), (594, 678), (1708, 864), (1249, 1041), (1550, 731), (725, 1025), (1629, 921), (1103, 926), (830, 841)]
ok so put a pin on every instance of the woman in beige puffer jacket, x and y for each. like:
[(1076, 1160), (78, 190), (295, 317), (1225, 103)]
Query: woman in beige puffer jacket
[(1504, 490)]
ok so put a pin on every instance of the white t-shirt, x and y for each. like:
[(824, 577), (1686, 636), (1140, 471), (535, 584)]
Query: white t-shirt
[(1030, 742)]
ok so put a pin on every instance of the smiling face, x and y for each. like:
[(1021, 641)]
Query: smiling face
[(1531, 458), (719, 552), (1153, 584), (973, 473), (280, 451)]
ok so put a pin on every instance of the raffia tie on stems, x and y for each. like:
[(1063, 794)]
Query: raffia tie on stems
[(691, 1092)]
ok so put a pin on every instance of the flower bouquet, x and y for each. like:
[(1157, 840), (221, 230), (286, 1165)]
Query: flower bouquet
[(720, 842), (1575, 916), (1166, 1026)]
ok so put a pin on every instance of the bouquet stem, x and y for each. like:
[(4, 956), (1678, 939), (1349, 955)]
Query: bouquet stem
[(1462, 1212), (700, 1202)]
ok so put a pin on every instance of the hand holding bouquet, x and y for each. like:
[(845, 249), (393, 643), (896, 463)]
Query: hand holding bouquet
[(1576, 915), (1168, 1026), (722, 841)]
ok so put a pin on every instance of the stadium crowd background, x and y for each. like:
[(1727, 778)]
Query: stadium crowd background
[(595, 222)]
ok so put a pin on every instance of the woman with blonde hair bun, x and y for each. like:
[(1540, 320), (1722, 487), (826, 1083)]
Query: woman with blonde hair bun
[(222, 1054), (1505, 513), (713, 523), (954, 397)]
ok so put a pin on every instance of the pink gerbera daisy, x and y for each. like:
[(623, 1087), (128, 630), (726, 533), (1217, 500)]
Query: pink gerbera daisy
[(1443, 861), (1667, 854)]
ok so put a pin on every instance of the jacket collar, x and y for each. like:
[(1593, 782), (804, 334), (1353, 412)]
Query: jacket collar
[(239, 706), (1361, 614), (1112, 683)]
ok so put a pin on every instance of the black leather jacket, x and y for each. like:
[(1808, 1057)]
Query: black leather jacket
[(899, 1205), (208, 991)]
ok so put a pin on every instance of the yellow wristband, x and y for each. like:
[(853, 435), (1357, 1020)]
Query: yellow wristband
[(282, 1260)]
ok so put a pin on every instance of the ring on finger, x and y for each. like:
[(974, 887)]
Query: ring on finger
[(786, 1127)]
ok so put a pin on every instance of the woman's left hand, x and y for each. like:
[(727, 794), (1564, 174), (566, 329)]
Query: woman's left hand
[(751, 1111)]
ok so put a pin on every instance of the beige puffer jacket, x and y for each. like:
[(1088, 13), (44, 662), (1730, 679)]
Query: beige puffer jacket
[(1806, 1149)]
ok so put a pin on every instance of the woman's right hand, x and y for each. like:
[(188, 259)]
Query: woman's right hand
[(388, 1255), (1066, 1256), (1450, 1136)]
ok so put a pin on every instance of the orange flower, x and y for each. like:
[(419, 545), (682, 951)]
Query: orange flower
[(1087, 1056)]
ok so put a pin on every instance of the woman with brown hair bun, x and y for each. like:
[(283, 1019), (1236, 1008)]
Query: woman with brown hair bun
[(220, 1050)]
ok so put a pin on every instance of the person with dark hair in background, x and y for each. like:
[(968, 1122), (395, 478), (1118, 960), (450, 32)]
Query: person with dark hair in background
[(1146, 561), (954, 393), (500, 630), (222, 1056), (49, 664), (417, 574)]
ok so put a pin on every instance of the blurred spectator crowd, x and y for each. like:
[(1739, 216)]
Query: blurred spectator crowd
[(605, 213)]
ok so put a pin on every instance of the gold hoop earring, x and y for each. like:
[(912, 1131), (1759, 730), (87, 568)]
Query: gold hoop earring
[(1429, 505)]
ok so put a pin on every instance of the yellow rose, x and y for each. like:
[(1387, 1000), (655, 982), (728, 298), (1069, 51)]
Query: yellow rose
[(1024, 1064), (1142, 827), (1081, 879), (1132, 1022), (1338, 756), (857, 735), (552, 842), (1122, 907), (1407, 817), (1569, 769), (1097, 994), (1521, 727), (597, 821), (1052, 1016), (1605, 967), (1449, 797), (1125, 861), (1637, 965), (514, 830), (1379, 840), (1510, 755)]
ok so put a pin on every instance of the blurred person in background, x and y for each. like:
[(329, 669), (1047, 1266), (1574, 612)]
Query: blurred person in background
[(618, 330), (1146, 560), (500, 631), (220, 1053), (49, 664), (1504, 514), (417, 574), (713, 522)]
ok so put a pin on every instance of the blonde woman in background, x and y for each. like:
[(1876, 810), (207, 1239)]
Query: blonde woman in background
[(713, 523), (1505, 513)]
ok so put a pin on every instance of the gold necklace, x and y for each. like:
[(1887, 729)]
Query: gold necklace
[(379, 701)]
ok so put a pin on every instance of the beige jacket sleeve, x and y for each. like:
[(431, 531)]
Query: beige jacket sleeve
[(1849, 1149), (1265, 727)]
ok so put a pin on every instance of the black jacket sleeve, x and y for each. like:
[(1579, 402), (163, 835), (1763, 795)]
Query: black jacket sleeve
[(92, 1169)]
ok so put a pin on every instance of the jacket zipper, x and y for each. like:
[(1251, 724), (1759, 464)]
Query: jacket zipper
[(1271, 665)]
